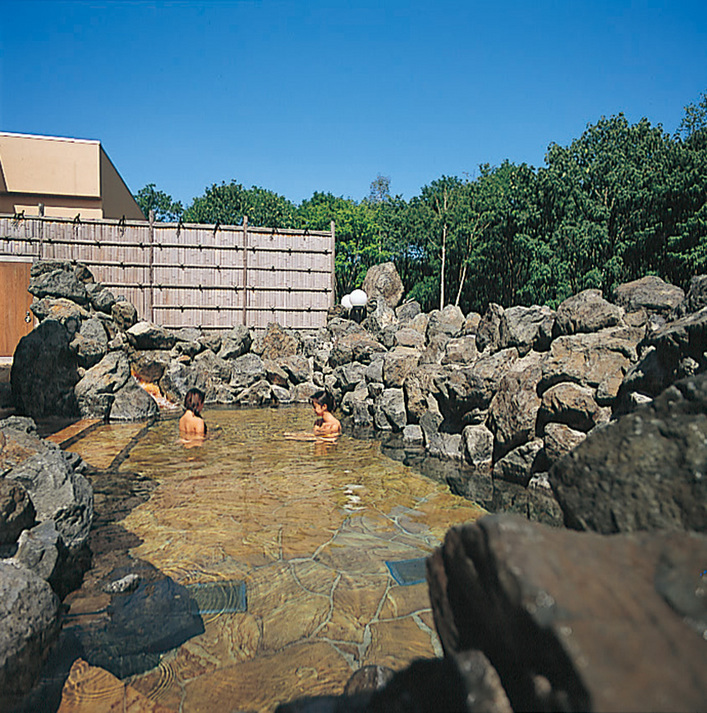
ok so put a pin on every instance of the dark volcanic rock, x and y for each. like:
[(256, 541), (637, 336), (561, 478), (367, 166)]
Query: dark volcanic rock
[(59, 283), (29, 612), (576, 621), (645, 471), (44, 373)]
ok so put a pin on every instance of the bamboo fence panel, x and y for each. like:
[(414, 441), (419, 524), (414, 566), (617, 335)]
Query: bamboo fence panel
[(206, 276)]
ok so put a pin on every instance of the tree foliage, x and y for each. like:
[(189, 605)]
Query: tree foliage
[(165, 208), (621, 201)]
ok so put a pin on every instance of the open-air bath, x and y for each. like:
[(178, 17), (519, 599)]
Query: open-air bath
[(267, 569)]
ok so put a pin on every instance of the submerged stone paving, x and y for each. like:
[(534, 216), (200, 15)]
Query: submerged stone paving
[(307, 527)]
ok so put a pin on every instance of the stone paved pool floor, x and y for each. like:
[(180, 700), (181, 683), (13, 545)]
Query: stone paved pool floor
[(307, 527)]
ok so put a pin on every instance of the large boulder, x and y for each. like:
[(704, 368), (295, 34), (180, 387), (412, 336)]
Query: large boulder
[(278, 342), (649, 293), (59, 309), (146, 335), (44, 373), (95, 392), (355, 346), (587, 311), (57, 492), (132, 403), (526, 328), (383, 282), (488, 329), (575, 621), (645, 471), (29, 611), (236, 343), (59, 283)]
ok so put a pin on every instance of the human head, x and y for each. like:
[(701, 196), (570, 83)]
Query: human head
[(194, 401), (324, 398)]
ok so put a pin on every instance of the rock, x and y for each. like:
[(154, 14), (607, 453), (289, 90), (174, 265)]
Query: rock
[(383, 281), (644, 471), (448, 321), (275, 374), (246, 370), (123, 313), (572, 405), (445, 445), (587, 311), (477, 448), (132, 403), (149, 364), (471, 324), (57, 492), (408, 310), (408, 337), (461, 390), (95, 392), (297, 368), (460, 350), (412, 434), (211, 342), (697, 294), (356, 346), (281, 394), (544, 607), (40, 550), (374, 371), (381, 319), (350, 375), (16, 509), (600, 359), (44, 373), (177, 379), (560, 440), (514, 408), (526, 328), (518, 465), (101, 299), (257, 394), (187, 334), (186, 349), (60, 310), (392, 404), (418, 387), (146, 335), (128, 583), (90, 344), (59, 283), (397, 364), (278, 342), (29, 611), (649, 293), (488, 331), (237, 342)]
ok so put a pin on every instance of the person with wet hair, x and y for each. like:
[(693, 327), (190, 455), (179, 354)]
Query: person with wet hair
[(324, 406), (191, 424)]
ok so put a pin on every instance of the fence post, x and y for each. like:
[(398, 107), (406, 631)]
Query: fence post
[(151, 262), (333, 265), (245, 269)]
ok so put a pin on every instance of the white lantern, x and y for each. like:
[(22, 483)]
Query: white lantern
[(358, 298), (346, 302)]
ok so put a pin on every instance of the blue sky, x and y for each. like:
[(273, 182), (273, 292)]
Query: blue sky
[(304, 96)]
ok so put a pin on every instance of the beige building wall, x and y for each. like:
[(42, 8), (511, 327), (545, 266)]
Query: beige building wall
[(68, 177)]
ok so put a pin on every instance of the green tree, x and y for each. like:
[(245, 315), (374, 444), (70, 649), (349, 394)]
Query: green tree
[(166, 209), (227, 203)]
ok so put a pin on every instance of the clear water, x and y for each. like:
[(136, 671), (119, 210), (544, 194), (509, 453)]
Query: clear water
[(268, 569)]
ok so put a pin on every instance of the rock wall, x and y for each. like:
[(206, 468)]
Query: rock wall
[(505, 394)]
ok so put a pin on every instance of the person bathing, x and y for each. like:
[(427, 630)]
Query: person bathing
[(192, 424)]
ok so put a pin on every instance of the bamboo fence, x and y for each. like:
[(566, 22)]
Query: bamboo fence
[(187, 275)]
